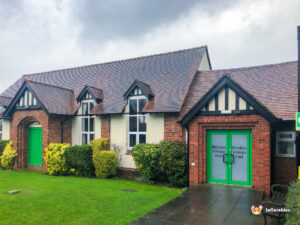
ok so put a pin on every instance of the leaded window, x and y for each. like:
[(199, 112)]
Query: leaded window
[(88, 121), (137, 121)]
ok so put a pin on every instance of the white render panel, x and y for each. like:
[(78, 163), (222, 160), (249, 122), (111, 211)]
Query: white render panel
[(231, 99), (5, 129), (222, 99), (204, 64), (155, 128), (119, 138), (212, 105), (242, 104)]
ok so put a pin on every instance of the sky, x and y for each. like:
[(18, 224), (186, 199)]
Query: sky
[(37, 36)]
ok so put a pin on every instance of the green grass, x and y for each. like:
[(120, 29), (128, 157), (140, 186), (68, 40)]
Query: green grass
[(52, 200)]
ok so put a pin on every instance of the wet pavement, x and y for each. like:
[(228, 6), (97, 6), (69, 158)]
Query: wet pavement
[(208, 204)]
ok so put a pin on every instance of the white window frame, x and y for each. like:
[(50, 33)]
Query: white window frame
[(137, 133), (1, 130), (292, 140), (88, 133)]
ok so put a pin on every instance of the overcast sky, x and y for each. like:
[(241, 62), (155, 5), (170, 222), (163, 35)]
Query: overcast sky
[(40, 35)]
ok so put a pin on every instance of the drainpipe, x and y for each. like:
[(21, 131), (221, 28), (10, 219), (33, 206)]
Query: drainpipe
[(62, 130), (187, 138)]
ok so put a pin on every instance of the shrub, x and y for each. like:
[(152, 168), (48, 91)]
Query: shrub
[(99, 144), (80, 159), (105, 162), (55, 158), (8, 156), (3, 144), (146, 157), (293, 203), (173, 160)]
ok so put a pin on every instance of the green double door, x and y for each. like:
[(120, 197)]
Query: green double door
[(35, 146), (229, 158)]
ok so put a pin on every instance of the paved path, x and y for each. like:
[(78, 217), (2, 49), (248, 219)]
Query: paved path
[(208, 204)]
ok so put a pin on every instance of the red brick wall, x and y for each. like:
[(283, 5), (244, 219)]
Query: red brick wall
[(172, 129), (51, 128), (261, 178), (105, 127), (285, 170)]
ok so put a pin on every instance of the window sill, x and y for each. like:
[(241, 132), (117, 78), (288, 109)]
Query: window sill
[(285, 156)]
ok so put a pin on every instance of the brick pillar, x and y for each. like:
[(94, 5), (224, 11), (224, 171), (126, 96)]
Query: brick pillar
[(105, 127)]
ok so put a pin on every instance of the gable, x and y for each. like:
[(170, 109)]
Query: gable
[(89, 93), (227, 101), (139, 88), (26, 100), (233, 100)]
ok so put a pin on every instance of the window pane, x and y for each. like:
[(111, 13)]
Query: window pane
[(133, 106), (84, 108), (142, 123), (91, 106), (92, 137), (285, 135), (92, 122), (0, 136), (285, 148), (142, 139), (0, 125), (132, 140), (142, 103), (85, 124), (133, 123), (84, 139)]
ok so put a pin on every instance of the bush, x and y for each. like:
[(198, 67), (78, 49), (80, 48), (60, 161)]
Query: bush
[(293, 203), (79, 159), (173, 160), (3, 144), (105, 162), (8, 156), (55, 158), (146, 157), (99, 144)]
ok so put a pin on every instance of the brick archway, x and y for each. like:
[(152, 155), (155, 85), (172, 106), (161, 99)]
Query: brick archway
[(19, 134)]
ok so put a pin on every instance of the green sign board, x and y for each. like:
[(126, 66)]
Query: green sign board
[(298, 121)]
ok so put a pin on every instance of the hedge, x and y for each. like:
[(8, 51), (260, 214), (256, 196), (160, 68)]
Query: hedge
[(99, 144), (8, 156), (293, 203), (55, 158), (173, 161), (146, 157), (106, 163), (3, 143), (79, 160)]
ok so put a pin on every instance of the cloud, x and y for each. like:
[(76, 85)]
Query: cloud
[(45, 35)]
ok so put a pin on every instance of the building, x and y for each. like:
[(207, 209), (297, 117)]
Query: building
[(238, 123)]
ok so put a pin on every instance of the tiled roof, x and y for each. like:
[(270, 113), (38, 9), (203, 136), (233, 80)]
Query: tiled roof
[(5, 100), (169, 74), (56, 100), (273, 86)]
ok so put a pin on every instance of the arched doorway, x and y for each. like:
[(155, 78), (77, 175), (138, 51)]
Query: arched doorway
[(29, 144)]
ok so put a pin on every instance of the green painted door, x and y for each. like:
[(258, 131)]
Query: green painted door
[(35, 146), (229, 158)]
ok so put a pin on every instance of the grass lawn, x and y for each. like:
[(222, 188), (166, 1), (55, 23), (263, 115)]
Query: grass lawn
[(72, 200)]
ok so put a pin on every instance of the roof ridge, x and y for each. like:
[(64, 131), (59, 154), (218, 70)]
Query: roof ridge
[(248, 67), (48, 85), (116, 61)]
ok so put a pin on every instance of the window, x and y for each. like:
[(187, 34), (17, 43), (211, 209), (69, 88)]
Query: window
[(285, 144), (1, 130), (137, 121), (88, 122)]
